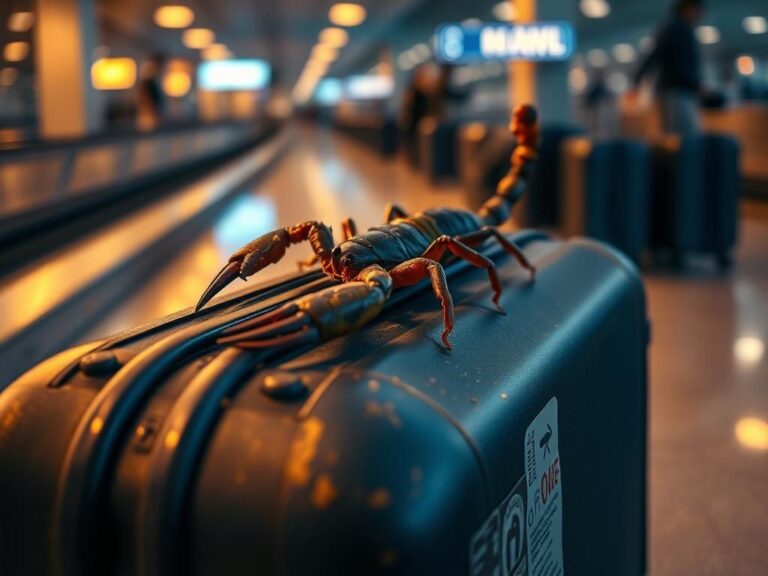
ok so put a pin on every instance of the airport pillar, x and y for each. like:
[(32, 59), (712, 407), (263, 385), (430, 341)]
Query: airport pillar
[(65, 38), (543, 83)]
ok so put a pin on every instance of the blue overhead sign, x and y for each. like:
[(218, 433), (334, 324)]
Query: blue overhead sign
[(537, 41)]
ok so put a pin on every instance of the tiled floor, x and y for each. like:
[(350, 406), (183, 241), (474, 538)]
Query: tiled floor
[(709, 371)]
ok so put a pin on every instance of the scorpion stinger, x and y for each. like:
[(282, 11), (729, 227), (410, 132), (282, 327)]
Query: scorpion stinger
[(403, 251)]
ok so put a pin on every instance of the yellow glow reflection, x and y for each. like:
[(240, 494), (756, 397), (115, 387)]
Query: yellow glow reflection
[(21, 21), (176, 83), (113, 73), (748, 350), (171, 439), (96, 425), (752, 433), (198, 38), (336, 37), (174, 16), (16, 51), (347, 14)]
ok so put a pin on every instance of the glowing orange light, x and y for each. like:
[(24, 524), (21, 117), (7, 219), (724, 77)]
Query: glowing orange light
[(336, 37), (752, 433), (113, 73), (198, 38), (16, 51), (96, 425), (745, 65), (347, 14), (216, 52), (177, 83), (21, 21), (174, 16), (171, 439)]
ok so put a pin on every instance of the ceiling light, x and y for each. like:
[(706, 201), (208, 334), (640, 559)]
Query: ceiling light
[(216, 52), (472, 22), (113, 73), (755, 25), (595, 8), (708, 34), (505, 11), (8, 76), (21, 21), (177, 83), (336, 37), (346, 14), (16, 51), (198, 38), (174, 16), (624, 53), (597, 58)]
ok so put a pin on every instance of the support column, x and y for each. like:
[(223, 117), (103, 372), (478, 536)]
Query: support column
[(65, 38), (543, 83)]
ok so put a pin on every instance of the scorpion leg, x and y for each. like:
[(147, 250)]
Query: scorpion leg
[(392, 212), (486, 232), (437, 249), (316, 317), (269, 249), (412, 271), (348, 229)]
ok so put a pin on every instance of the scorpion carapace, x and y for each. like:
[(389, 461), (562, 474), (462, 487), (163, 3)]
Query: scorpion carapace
[(402, 252)]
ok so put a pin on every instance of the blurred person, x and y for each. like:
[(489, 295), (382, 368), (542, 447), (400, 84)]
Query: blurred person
[(425, 97), (677, 59), (150, 97)]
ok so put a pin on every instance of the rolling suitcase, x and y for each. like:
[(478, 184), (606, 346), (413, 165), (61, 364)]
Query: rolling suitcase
[(606, 192), (521, 451), (696, 188), (543, 203), (437, 148)]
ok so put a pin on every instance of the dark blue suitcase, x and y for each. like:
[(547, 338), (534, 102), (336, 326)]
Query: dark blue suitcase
[(521, 451), (606, 192), (543, 203), (696, 189), (438, 148)]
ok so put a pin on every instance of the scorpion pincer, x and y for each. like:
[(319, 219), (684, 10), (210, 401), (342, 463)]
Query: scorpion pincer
[(402, 252)]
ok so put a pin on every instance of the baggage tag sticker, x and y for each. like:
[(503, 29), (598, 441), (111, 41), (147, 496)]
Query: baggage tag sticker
[(544, 519)]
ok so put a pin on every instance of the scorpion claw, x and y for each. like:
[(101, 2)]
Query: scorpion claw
[(224, 277)]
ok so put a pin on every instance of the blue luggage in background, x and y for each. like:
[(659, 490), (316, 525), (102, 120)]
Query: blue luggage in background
[(696, 189), (437, 148), (543, 203), (605, 193)]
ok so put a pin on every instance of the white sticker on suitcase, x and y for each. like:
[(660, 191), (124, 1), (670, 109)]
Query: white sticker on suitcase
[(544, 521)]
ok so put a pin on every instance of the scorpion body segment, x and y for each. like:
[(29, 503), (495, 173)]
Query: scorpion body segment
[(403, 251)]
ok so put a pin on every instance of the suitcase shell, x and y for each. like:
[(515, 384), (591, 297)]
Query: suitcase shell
[(696, 188), (157, 452), (606, 193)]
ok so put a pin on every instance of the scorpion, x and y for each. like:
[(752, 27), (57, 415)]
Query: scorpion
[(402, 252)]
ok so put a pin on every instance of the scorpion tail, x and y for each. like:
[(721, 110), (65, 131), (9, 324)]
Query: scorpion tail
[(513, 186)]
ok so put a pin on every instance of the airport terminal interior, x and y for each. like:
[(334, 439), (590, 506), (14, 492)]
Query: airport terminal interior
[(144, 142)]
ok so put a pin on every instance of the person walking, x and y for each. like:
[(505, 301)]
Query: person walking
[(676, 57)]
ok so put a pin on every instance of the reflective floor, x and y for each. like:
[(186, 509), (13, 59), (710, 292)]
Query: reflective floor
[(708, 397)]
